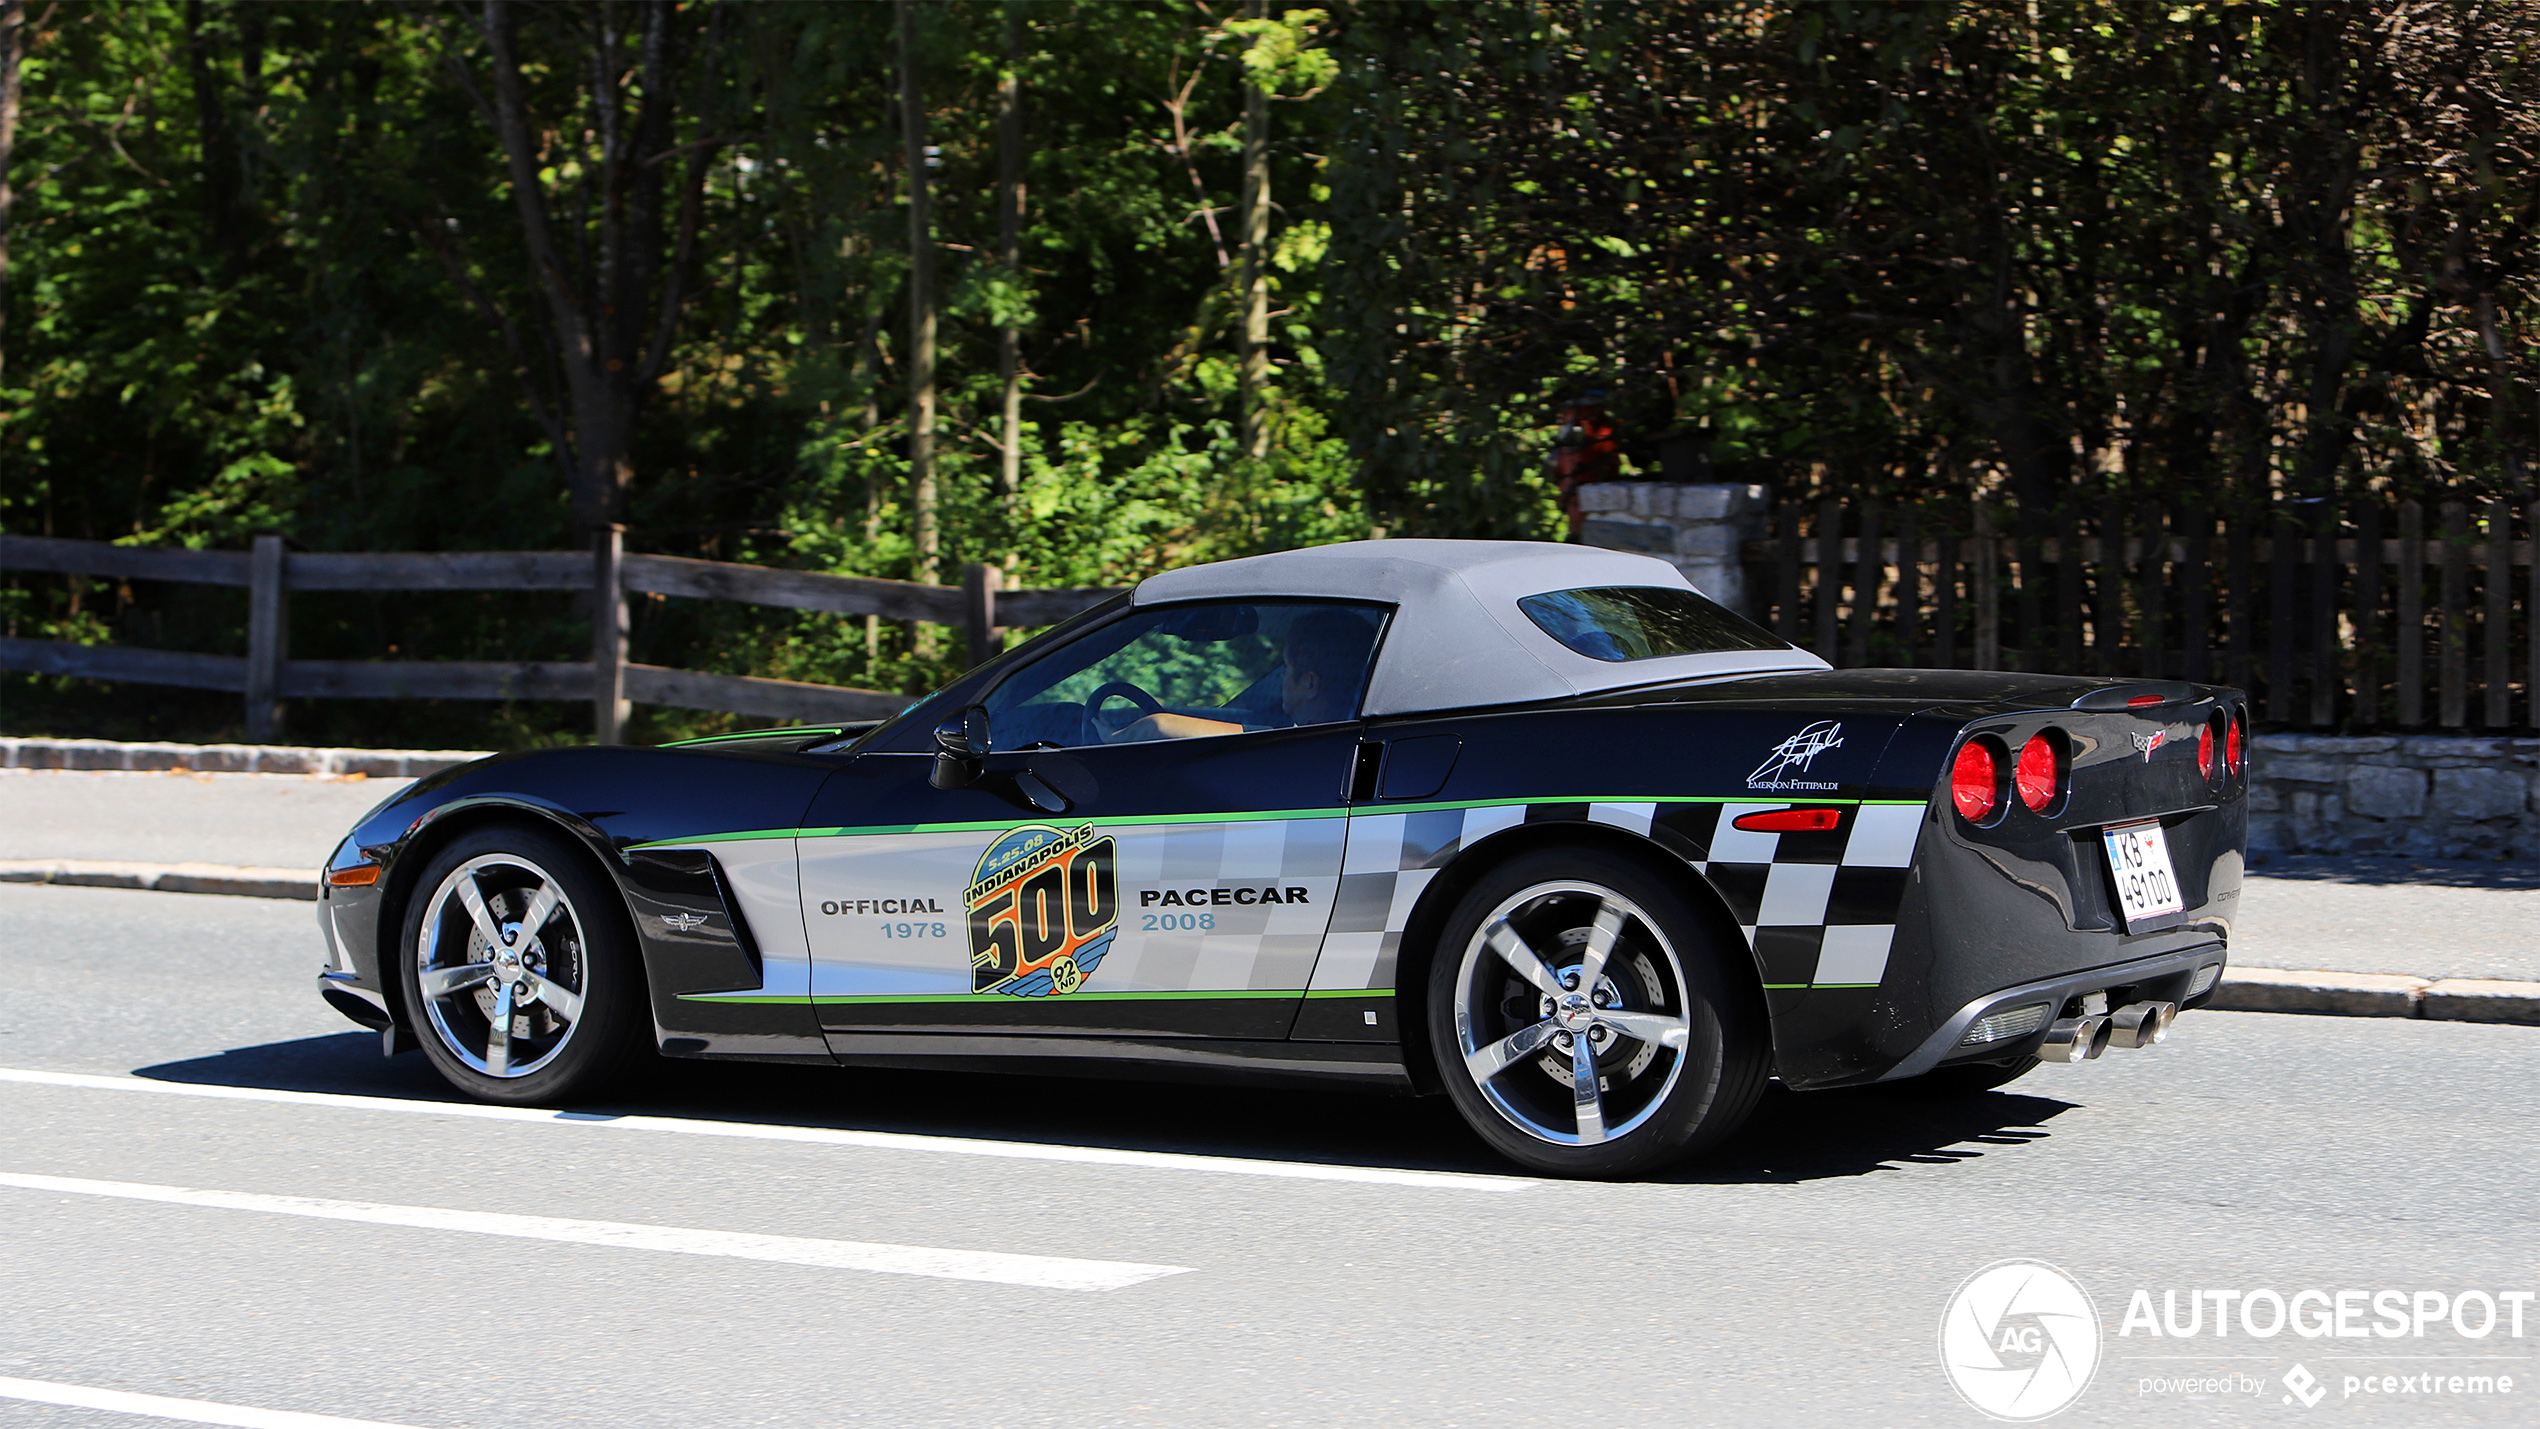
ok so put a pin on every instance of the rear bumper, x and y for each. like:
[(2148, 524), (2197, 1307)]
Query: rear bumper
[(2166, 978)]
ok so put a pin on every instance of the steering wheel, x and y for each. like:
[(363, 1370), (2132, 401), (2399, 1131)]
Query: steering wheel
[(1119, 689)]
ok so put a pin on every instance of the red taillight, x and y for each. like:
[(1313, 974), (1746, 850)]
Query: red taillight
[(1975, 781), (2139, 701), (2205, 751), (1790, 821), (2236, 745), (2039, 775)]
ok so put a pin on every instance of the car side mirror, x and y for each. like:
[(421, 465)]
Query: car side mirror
[(961, 749)]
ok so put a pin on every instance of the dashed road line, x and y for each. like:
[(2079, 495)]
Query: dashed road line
[(1046, 1272), (812, 1135), (160, 1406)]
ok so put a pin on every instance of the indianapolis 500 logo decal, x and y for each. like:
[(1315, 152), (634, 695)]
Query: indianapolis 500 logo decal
[(1795, 754), (1044, 907)]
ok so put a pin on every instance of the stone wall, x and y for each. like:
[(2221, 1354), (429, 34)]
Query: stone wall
[(2418, 795), (1698, 528)]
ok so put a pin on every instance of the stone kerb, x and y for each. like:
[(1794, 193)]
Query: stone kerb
[(1699, 529), (2422, 796), (111, 754)]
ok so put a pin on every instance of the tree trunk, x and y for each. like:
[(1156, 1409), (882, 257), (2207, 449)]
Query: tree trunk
[(921, 307), (1256, 257), (612, 321), (222, 230), (12, 41), (1010, 253)]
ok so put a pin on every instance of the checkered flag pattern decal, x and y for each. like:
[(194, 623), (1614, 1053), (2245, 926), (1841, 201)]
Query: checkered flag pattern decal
[(1819, 909)]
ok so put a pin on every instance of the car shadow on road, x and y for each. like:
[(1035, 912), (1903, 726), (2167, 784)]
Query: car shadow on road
[(1794, 1137)]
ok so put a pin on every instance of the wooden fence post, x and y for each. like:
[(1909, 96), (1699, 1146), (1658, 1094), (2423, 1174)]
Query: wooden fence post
[(1786, 592), (2411, 690), (1829, 578), (2195, 630), (2368, 643), (1944, 615), (979, 586), (268, 640), (2499, 670), (2328, 664), (2453, 619), (2531, 624), (1988, 596), (609, 707), (2283, 569), (1868, 569)]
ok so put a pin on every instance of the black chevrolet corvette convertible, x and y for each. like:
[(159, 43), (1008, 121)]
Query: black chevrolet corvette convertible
[(1536, 826)]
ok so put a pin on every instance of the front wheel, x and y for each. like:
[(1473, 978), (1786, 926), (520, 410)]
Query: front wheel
[(519, 972), (1583, 1023)]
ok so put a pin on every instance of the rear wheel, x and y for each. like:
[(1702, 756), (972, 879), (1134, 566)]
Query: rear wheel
[(518, 970), (1583, 1024)]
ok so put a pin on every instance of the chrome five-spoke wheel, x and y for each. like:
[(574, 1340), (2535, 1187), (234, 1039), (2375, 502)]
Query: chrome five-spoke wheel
[(1583, 1022), (502, 965), (1570, 1013)]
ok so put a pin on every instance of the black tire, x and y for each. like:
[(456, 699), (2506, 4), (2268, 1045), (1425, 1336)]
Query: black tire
[(1962, 1079), (1666, 1102), (580, 1021)]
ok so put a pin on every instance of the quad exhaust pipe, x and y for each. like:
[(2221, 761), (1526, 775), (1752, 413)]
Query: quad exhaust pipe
[(2141, 1024), (2081, 1039)]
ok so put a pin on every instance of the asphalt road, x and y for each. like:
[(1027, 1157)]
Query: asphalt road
[(1281, 1259)]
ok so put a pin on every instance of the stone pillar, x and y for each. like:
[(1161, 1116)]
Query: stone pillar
[(1698, 529)]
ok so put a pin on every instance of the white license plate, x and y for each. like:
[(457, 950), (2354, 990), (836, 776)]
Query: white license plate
[(2140, 858)]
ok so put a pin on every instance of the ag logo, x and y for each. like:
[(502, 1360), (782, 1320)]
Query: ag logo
[(2149, 742), (1044, 907), (2020, 1340)]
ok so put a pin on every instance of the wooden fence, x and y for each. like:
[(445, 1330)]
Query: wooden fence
[(2359, 617), (266, 675)]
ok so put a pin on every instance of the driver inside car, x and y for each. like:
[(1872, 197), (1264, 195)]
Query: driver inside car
[(1318, 681)]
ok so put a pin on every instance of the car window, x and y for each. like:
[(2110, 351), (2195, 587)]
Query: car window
[(1191, 671), (1642, 623)]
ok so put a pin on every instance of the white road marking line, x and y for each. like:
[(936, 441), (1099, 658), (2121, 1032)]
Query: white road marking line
[(814, 1135), (160, 1406), (1047, 1272)]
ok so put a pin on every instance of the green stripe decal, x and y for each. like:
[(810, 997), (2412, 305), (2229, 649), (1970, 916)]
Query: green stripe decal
[(740, 837), (804, 730), (1123, 821), (1450, 805), (1151, 820), (909, 998)]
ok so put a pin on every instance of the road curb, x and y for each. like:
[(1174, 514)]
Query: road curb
[(293, 883), (2339, 994), (109, 754)]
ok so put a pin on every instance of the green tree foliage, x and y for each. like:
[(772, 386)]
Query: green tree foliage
[(269, 271), (2068, 248)]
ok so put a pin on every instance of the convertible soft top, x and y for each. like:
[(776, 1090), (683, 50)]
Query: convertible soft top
[(1458, 638)]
